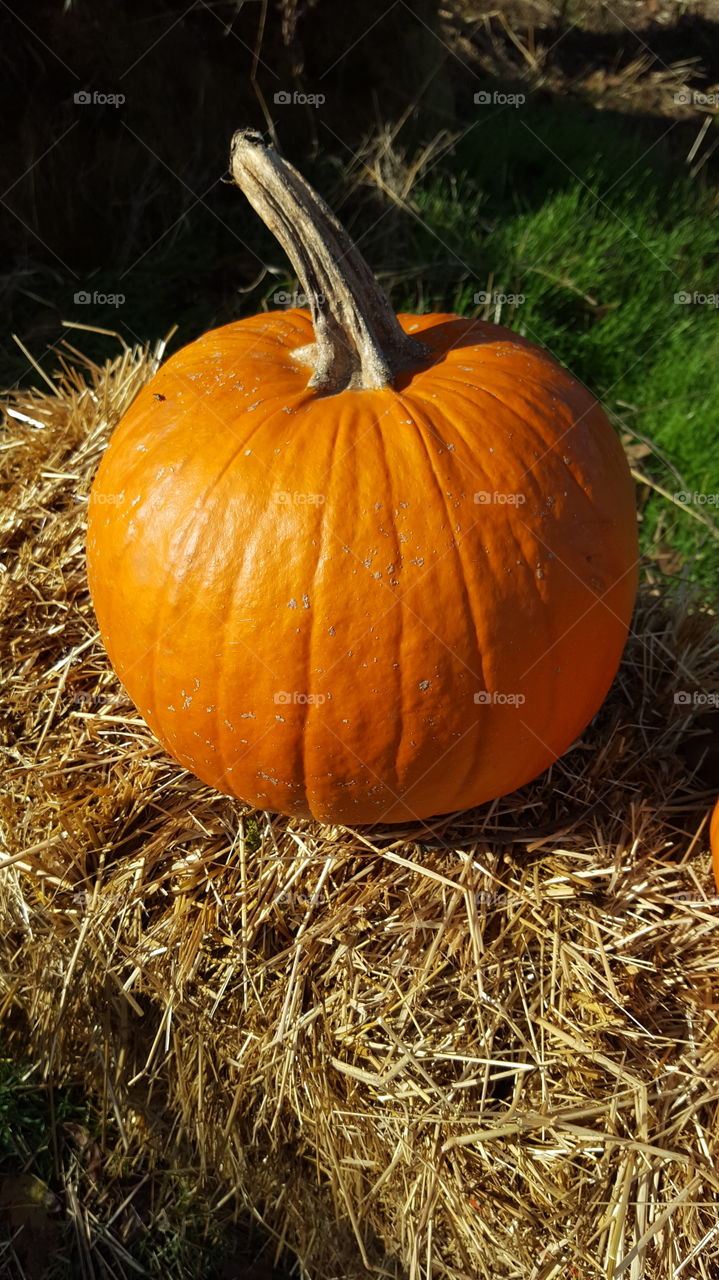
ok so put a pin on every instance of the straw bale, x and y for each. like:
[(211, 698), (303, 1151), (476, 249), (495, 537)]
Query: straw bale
[(484, 1046)]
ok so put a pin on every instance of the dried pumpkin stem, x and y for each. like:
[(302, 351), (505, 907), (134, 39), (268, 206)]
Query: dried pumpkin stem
[(359, 342)]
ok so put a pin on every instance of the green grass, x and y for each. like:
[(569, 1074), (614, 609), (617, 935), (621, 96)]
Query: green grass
[(29, 1114), (599, 254)]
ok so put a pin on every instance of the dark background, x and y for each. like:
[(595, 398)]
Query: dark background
[(131, 200)]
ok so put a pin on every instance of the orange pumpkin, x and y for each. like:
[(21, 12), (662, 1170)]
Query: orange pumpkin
[(356, 566), (714, 842)]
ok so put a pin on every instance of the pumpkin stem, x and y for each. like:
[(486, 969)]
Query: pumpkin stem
[(359, 342)]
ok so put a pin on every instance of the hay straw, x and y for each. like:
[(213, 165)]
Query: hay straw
[(480, 1047)]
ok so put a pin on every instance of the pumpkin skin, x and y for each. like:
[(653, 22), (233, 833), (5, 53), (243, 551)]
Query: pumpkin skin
[(714, 842), (308, 605)]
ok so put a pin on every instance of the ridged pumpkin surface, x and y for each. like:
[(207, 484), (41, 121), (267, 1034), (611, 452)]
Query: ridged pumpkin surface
[(378, 605)]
